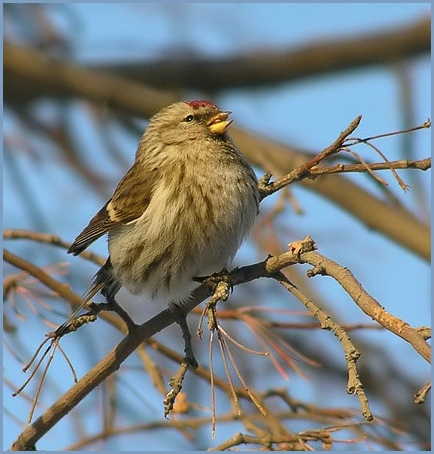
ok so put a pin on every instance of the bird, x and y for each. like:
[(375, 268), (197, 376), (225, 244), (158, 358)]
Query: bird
[(180, 212)]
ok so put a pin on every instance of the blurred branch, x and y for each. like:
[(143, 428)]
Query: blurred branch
[(240, 71), (49, 238), (297, 410), (26, 69), (270, 67), (29, 74), (62, 290)]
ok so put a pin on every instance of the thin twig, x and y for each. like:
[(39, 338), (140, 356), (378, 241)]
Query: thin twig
[(266, 188), (355, 385)]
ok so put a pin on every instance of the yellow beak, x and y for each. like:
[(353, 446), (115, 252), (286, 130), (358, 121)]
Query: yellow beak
[(219, 123)]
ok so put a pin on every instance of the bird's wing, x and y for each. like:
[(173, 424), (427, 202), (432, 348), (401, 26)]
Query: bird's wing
[(129, 202)]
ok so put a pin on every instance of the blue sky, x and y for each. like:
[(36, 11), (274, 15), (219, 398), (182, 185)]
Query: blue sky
[(399, 280)]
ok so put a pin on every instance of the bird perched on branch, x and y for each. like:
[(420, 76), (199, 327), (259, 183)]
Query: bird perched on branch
[(180, 212)]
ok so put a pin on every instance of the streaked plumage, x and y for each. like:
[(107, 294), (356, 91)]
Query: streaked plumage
[(181, 211)]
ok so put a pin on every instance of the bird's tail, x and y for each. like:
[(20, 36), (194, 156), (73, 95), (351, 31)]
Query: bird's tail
[(103, 281)]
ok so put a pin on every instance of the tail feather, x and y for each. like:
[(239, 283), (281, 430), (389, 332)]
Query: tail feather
[(103, 282)]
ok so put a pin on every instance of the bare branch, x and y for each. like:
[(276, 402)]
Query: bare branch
[(355, 385), (300, 252), (300, 172), (367, 303), (422, 164)]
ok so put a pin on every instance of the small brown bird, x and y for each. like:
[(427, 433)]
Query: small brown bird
[(180, 212)]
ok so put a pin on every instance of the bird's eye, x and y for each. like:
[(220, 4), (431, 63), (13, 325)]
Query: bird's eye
[(189, 118)]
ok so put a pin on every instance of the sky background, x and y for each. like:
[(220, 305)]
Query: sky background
[(101, 32)]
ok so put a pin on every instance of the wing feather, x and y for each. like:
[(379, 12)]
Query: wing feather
[(129, 202)]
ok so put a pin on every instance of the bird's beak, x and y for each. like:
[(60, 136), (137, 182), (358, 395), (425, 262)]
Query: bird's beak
[(219, 123)]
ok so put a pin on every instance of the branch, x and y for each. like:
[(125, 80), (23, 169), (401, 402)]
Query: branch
[(96, 376), (62, 290), (354, 385), (300, 172), (396, 222), (369, 305), (247, 70), (302, 253), (49, 238), (29, 74), (270, 67), (422, 164)]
